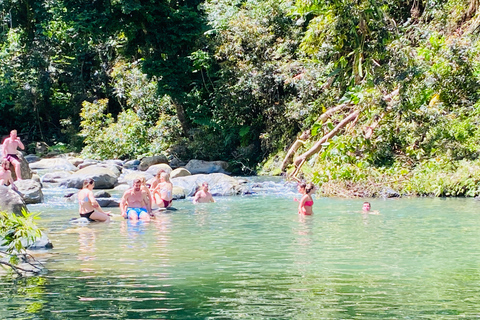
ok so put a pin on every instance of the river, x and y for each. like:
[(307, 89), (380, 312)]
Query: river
[(253, 257)]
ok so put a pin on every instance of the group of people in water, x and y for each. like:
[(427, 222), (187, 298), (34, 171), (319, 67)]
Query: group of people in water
[(138, 202), (10, 157)]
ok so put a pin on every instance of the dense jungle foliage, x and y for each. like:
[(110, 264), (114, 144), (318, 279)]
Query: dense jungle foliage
[(388, 89)]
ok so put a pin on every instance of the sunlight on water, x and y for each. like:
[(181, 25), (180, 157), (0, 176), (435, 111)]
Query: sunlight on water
[(253, 257)]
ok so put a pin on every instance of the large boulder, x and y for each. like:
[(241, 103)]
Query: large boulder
[(24, 168), (200, 166), (132, 164), (104, 178), (108, 202), (31, 158), (56, 176), (147, 162), (220, 184), (128, 176), (10, 201), (30, 190), (178, 193), (180, 172), (53, 164), (153, 170)]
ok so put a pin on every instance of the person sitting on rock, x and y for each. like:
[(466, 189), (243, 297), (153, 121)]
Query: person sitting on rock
[(135, 203), (88, 205), (10, 146), (6, 175), (162, 194), (203, 195)]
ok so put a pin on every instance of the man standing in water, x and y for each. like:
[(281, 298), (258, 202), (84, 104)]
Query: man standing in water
[(135, 203), (203, 195), (10, 146)]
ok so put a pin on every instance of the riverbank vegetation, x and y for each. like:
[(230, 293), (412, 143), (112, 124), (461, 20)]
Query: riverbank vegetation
[(358, 96), (16, 234)]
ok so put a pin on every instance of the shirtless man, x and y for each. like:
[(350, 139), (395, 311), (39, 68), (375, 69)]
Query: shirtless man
[(6, 175), (10, 146), (203, 195), (135, 203)]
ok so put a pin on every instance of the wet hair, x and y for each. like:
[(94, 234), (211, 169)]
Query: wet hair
[(143, 180), (159, 172), (205, 184), (307, 186), (366, 202), (88, 181), (137, 180)]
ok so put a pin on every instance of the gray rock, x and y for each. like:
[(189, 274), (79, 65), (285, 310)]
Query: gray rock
[(41, 147), (388, 192), (53, 177), (30, 190), (104, 178), (146, 162), (128, 176), (24, 168), (42, 243), (76, 161), (87, 163), (200, 166), (102, 194), (10, 201), (32, 158), (153, 170), (108, 202), (132, 164), (53, 164), (220, 184), (180, 172)]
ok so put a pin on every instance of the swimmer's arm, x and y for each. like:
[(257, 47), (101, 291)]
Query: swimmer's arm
[(301, 204), (20, 143), (148, 202)]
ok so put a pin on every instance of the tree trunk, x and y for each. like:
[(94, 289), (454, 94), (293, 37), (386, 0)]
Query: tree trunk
[(291, 152), (181, 117), (317, 146)]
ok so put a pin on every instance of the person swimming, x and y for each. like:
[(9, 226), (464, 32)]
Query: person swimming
[(306, 202)]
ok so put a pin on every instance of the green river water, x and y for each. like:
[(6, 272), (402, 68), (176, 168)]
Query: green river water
[(253, 257)]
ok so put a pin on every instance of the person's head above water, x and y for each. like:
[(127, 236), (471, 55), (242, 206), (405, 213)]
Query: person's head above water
[(308, 187), (88, 182), (366, 206)]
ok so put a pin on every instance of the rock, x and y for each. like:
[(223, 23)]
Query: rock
[(108, 202), (32, 158), (10, 201), (176, 163), (41, 147), (24, 168), (153, 170), (115, 162), (87, 163), (113, 167), (104, 178), (388, 192), (129, 176), (146, 162), (42, 243), (76, 161), (200, 166), (55, 176), (53, 164), (220, 184), (178, 193), (180, 172), (36, 177), (122, 187), (102, 194), (132, 164), (30, 190)]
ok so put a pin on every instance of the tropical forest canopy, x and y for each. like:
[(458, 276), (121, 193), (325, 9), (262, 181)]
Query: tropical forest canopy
[(367, 93)]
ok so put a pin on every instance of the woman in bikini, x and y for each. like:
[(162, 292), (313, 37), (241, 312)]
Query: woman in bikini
[(306, 202), (88, 206), (162, 194)]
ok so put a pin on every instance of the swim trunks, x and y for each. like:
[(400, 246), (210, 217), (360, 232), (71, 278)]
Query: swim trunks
[(87, 215), (136, 211), (9, 157), (166, 203)]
